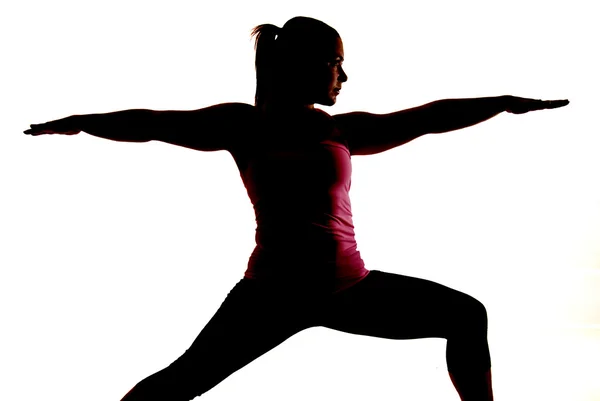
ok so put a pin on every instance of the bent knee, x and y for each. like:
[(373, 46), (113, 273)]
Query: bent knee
[(473, 312), (479, 309)]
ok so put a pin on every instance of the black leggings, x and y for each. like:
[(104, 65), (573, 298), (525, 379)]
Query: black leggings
[(256, 317)]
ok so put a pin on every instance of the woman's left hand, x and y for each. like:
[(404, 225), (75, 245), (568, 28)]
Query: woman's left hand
[(520, 105)]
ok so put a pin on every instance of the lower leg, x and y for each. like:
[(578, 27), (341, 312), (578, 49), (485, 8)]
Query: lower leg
[(162, 385), (473, 386), (468, 355)]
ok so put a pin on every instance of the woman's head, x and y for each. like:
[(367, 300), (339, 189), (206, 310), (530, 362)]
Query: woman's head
[(299, 63)]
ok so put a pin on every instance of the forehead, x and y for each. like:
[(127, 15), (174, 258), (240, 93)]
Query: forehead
[(339, 48), (316, 48), (331, 49)]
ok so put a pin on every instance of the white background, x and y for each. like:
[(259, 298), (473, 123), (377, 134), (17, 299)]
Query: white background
[(114, 255)]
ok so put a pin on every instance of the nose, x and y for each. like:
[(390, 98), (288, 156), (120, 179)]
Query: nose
[(342, 77)]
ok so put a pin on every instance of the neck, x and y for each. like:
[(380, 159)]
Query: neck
[(285, 107), (279, 99)]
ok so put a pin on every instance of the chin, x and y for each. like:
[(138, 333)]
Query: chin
[(328, 102)]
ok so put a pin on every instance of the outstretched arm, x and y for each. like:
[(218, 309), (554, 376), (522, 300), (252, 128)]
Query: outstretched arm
[(369, 133), (210, 128)]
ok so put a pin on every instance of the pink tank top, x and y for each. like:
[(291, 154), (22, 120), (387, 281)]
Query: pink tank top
[(297, 172)]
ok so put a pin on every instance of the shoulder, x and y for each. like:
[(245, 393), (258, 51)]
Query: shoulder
[(227, 111), (223, 116), (325, 118), (332, 129), (324, 115), (240, 107), (232, 122)]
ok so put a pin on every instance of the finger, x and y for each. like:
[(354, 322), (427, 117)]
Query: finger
[(37, 129), (553, 104), (41, 129), (32, 131), (538, 104)]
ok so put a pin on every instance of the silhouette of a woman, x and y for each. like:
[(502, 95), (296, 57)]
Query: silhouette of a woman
[(295, 162)]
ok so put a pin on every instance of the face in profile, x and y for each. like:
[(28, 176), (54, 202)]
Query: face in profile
[(328, 86), (320, 80)]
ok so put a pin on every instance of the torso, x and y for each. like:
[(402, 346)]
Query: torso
[(297, 172)]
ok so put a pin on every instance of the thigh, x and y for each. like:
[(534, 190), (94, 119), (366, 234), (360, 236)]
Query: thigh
[(251, 321), (397, 307)]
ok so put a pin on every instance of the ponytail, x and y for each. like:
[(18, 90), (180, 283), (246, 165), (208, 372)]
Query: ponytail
[(266, 49)]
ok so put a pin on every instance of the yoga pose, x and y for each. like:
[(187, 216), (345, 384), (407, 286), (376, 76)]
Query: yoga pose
[(295, 162)]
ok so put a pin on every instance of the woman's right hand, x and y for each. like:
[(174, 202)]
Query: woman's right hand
[(64, 126)]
